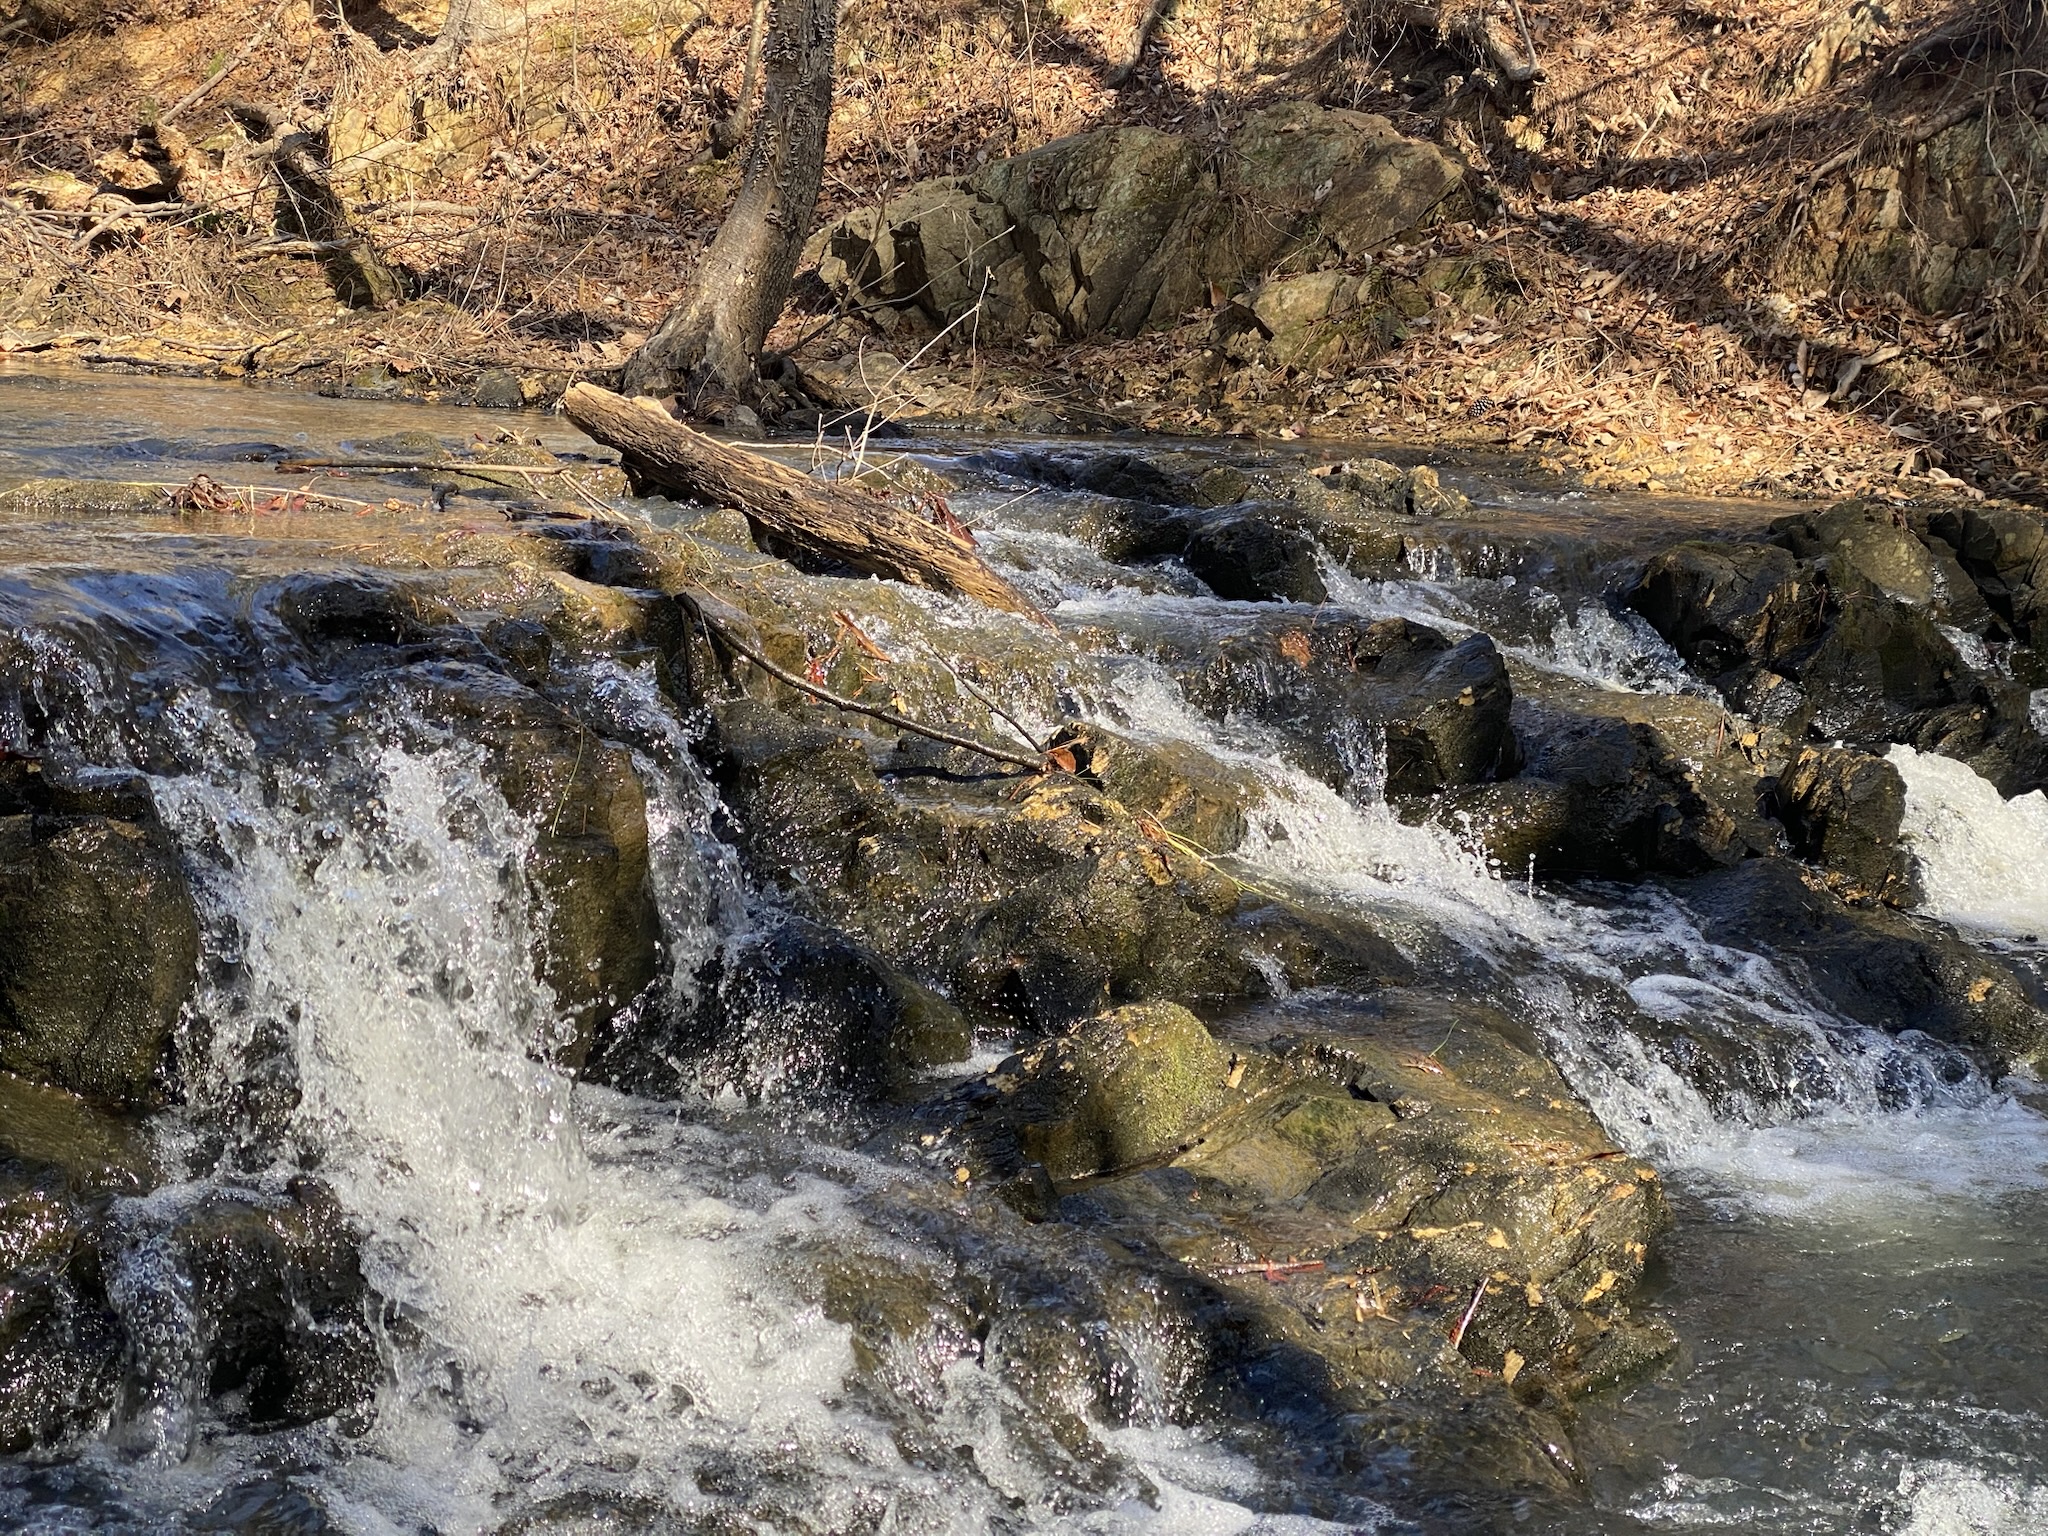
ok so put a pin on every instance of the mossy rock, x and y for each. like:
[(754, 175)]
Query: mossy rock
[(1130, 1086)]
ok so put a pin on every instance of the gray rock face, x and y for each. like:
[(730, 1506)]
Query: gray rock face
[(1251, 558), (1038, 904), (1123, 230), (1599, 797), (1335, 689)]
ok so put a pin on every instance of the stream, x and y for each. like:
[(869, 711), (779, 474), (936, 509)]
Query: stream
[(583, 1316)]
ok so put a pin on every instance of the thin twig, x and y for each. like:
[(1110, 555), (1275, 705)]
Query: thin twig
[(1458, 1333), (234, 62), (839, 701)]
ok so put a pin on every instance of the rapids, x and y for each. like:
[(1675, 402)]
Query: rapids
[(595, 1311)]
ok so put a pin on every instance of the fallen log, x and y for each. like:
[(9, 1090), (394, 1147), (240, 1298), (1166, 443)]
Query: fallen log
[(815, 517)]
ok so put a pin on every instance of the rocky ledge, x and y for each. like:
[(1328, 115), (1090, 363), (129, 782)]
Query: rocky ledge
[(1384, 1215)]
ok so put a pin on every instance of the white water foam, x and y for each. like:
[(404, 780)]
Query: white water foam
[(1944, 1498), (546, 1302), (1983, 859), (580, 1293), (1843, 1098)]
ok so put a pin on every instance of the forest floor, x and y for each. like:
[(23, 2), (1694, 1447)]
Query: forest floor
[(1670, 322)]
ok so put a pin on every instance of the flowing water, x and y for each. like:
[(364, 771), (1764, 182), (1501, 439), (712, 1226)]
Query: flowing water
[(592, 1307)]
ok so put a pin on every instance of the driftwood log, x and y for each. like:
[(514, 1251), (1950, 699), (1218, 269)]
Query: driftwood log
[(815, 517)]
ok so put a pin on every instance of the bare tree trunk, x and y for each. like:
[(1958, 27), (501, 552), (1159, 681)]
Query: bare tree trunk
[(727, 132), (711, 342), (308, 205), (466, 21)]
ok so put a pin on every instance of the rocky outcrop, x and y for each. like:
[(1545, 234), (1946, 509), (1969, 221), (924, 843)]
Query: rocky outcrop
[(1878, 967), (1125, 229), (1938, 226), (600, 938), (1367, 1212), (1841, 628), (1388, 700), (61, 1344), (1601, 797), (1033, 901)]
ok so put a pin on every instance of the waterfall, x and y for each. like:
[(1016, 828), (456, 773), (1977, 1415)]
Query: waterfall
[(1983, 859)]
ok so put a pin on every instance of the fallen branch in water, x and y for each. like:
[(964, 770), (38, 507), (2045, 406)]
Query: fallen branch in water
[(721, 634), (1273, 1272), (866, 532)]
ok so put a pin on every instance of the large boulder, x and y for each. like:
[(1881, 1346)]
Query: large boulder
[(1845, 626), (1252, 558), (1125, 229), (1031, 902), (1877, 966), (99, 942), (1843, 810), (61, 1341), (599, 940), (1601, 797), (1366, 1214)]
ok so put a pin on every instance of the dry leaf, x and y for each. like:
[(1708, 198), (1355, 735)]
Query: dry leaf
[(1511, 1366)]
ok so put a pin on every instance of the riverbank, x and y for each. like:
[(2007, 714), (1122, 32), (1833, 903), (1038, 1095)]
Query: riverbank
[(1780, 247)]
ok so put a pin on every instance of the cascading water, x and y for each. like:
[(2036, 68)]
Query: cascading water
[(1983, 859), (595, 1311)]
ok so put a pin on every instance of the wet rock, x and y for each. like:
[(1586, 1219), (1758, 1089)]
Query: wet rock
[(1877, 966), (1725, 607), (281, 1298), (1843, 809), (1598, 797), (2001, 550), (499, 389), (1160, 479), (61, 1345), (1866, 544), (600, 941), (99, 945), (1128, 1087), (1038, 901), (1352, 698), (1834, 631), (1425, 495), (270, 1505), (1188, 792), (1352, 1207), (1252, 559), (796, 1009)]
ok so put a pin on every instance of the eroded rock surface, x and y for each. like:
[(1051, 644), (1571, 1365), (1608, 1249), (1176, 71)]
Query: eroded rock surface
[(1124, 229)]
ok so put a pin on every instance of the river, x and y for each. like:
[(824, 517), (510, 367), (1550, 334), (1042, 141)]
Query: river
[(584, 1316)]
